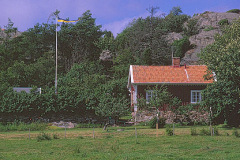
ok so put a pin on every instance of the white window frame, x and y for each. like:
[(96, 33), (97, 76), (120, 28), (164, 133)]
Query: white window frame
[(149, 95), (196, 96)]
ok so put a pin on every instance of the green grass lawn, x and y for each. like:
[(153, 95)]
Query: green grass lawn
[(149, 144)]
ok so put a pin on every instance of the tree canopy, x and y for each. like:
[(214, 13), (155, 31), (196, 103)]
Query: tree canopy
[(86, 83), (223, 59)]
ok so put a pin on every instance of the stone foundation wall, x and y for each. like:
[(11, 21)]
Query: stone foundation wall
[(191, 117)]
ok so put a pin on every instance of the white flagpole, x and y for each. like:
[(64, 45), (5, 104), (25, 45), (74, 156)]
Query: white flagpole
[(56, 59)]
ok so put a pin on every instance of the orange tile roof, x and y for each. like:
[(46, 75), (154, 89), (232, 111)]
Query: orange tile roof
[(169, 74)]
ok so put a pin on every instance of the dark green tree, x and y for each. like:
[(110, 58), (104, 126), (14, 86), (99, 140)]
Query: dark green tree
[(147, 45), (175, 19), (77, 41), (181, 47)]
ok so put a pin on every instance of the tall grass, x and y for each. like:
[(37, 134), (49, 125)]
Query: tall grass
[(89, 125), (21, 126)]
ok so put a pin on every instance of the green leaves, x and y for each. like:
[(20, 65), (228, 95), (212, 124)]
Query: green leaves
[(181, 46), (162, 98), (223, 58)]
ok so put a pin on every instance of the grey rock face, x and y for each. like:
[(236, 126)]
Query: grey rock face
[(173, 36), (106, 55), (208, 26), (3, 35)]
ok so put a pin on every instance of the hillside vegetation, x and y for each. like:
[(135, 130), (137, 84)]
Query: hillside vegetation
[(93, 64)]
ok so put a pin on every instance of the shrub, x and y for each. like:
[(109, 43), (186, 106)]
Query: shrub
[(55, 136), (193, 131), (43, 136), (161, 122), (235, 133), (223, 22), (216, 132), (234, 11), (209, 28), (80, 137), (181, 46), (169, 131), (205, 132), (191, 28)]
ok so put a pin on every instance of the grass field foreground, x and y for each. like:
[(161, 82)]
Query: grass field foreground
[(114, 144)]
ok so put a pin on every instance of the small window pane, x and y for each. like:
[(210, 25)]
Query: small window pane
[(195, 96)]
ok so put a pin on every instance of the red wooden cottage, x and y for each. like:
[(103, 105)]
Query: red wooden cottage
[(184, 82)]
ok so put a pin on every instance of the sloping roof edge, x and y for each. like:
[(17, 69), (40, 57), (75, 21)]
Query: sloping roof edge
[(130, 77), (185, 75)]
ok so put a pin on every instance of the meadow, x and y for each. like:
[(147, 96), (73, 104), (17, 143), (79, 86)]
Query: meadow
[(119, 143)]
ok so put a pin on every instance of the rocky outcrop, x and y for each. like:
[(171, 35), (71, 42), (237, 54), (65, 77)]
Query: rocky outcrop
[(207, 26), (200, 41), (3, 35), (106, 55), (173, 36), (212, 19)]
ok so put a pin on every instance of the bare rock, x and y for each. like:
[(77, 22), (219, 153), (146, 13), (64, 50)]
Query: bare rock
[(173, 36), (212, 19), (208, 27), (62, 124), (106, 55), (3, 35)]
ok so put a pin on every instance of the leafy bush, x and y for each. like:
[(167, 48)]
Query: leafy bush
[(169, 131), (152, 122), (175, 20), (234, 11), (191, 28), (223, 22), (193, 114), (80, 137), (216, 132), (161, 122), (205, 132), (235, 133), (55, 136), (209, 28), (181, 46), (43, 136)]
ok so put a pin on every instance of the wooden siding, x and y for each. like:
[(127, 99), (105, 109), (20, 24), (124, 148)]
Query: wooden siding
[(183, 92)]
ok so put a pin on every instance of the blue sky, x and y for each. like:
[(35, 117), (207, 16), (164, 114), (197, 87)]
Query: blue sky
[(113, 15)]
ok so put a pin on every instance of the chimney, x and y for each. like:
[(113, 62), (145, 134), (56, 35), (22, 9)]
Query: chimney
[(176, 61)]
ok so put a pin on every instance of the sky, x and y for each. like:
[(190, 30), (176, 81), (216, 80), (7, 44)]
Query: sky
[(113, 15)]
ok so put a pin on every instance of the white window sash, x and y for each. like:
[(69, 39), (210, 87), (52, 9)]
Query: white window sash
[(149, 95), (196, 96)]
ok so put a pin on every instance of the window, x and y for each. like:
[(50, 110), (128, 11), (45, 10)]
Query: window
[(196, 96), (149, 95)]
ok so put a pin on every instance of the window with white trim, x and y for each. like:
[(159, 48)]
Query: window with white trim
[(196, 96), (149, 95)]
